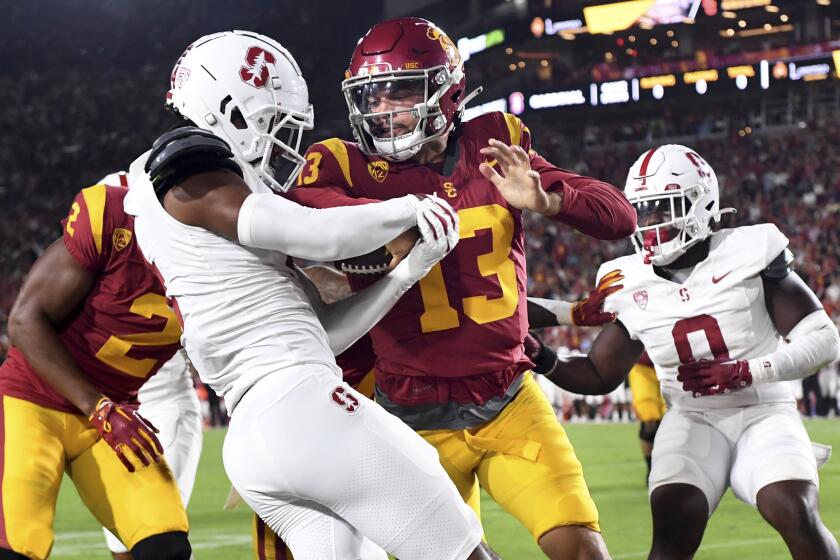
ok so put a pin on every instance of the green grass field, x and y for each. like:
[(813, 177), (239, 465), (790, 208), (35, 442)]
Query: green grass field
[(613, 467)]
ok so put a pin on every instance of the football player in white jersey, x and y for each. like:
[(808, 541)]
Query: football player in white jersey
[(223, 245), (712, 308)]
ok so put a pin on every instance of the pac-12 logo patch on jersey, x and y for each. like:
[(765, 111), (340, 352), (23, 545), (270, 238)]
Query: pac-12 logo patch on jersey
[(345, 400), (121, 238), (378, 170), (255, 70), (641, 298)]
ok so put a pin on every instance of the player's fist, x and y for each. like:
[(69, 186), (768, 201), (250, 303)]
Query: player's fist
[(589, 312), (708, 377), (544, 357), (122, 427)]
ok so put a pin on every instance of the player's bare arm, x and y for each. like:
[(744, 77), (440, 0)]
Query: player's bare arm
[(331, 284), (208, 200), (789, 300), (55, 286), (518, 183), (605, 367)]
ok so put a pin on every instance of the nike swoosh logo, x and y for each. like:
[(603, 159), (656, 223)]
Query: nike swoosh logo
[(719, 278)]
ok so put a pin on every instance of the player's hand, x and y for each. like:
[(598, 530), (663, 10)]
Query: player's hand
[(518, 183), (708, 377), (437, 223), (543, 356), (589, 312), (400, 246), (122, 427)]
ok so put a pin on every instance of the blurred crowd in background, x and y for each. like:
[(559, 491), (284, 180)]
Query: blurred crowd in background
[(73, 115)]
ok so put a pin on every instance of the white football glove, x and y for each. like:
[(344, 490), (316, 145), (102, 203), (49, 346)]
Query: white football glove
[(438, 225)]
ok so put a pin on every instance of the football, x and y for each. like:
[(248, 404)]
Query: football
[(375, 262)]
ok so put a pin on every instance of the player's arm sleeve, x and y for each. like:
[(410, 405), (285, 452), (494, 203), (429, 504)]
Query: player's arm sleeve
[(544, 313), (85, 229), (593, 207), (812, 344), (272, 222), (348, 320)]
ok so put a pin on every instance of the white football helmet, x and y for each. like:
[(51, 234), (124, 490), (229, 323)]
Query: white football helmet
[(248, 90), (675, 193)]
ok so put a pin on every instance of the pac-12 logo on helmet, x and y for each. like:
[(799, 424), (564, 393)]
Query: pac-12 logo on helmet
[(255, 70)]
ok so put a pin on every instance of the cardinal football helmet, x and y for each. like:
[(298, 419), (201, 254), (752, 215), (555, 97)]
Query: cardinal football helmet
[(675, 193), (395, 58), (248, 90)]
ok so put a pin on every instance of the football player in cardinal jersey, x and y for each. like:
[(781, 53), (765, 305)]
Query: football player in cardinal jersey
[(91, 324), (712, 309), (223, 245), (405, 90)]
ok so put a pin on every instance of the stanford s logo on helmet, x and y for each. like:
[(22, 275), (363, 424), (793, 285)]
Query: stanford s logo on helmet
[(255, 71), (408, 58), (675, 193)]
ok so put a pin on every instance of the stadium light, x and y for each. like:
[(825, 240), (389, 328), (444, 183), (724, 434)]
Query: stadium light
[(516, 102), (658, 91)]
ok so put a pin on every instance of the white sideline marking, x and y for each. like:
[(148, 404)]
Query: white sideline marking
[(95, 542), (711, 546)]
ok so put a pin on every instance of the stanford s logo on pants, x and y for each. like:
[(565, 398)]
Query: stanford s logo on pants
[(345, 399)]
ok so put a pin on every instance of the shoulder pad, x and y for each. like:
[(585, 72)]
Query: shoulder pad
[(779, 267), (186, 151)]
